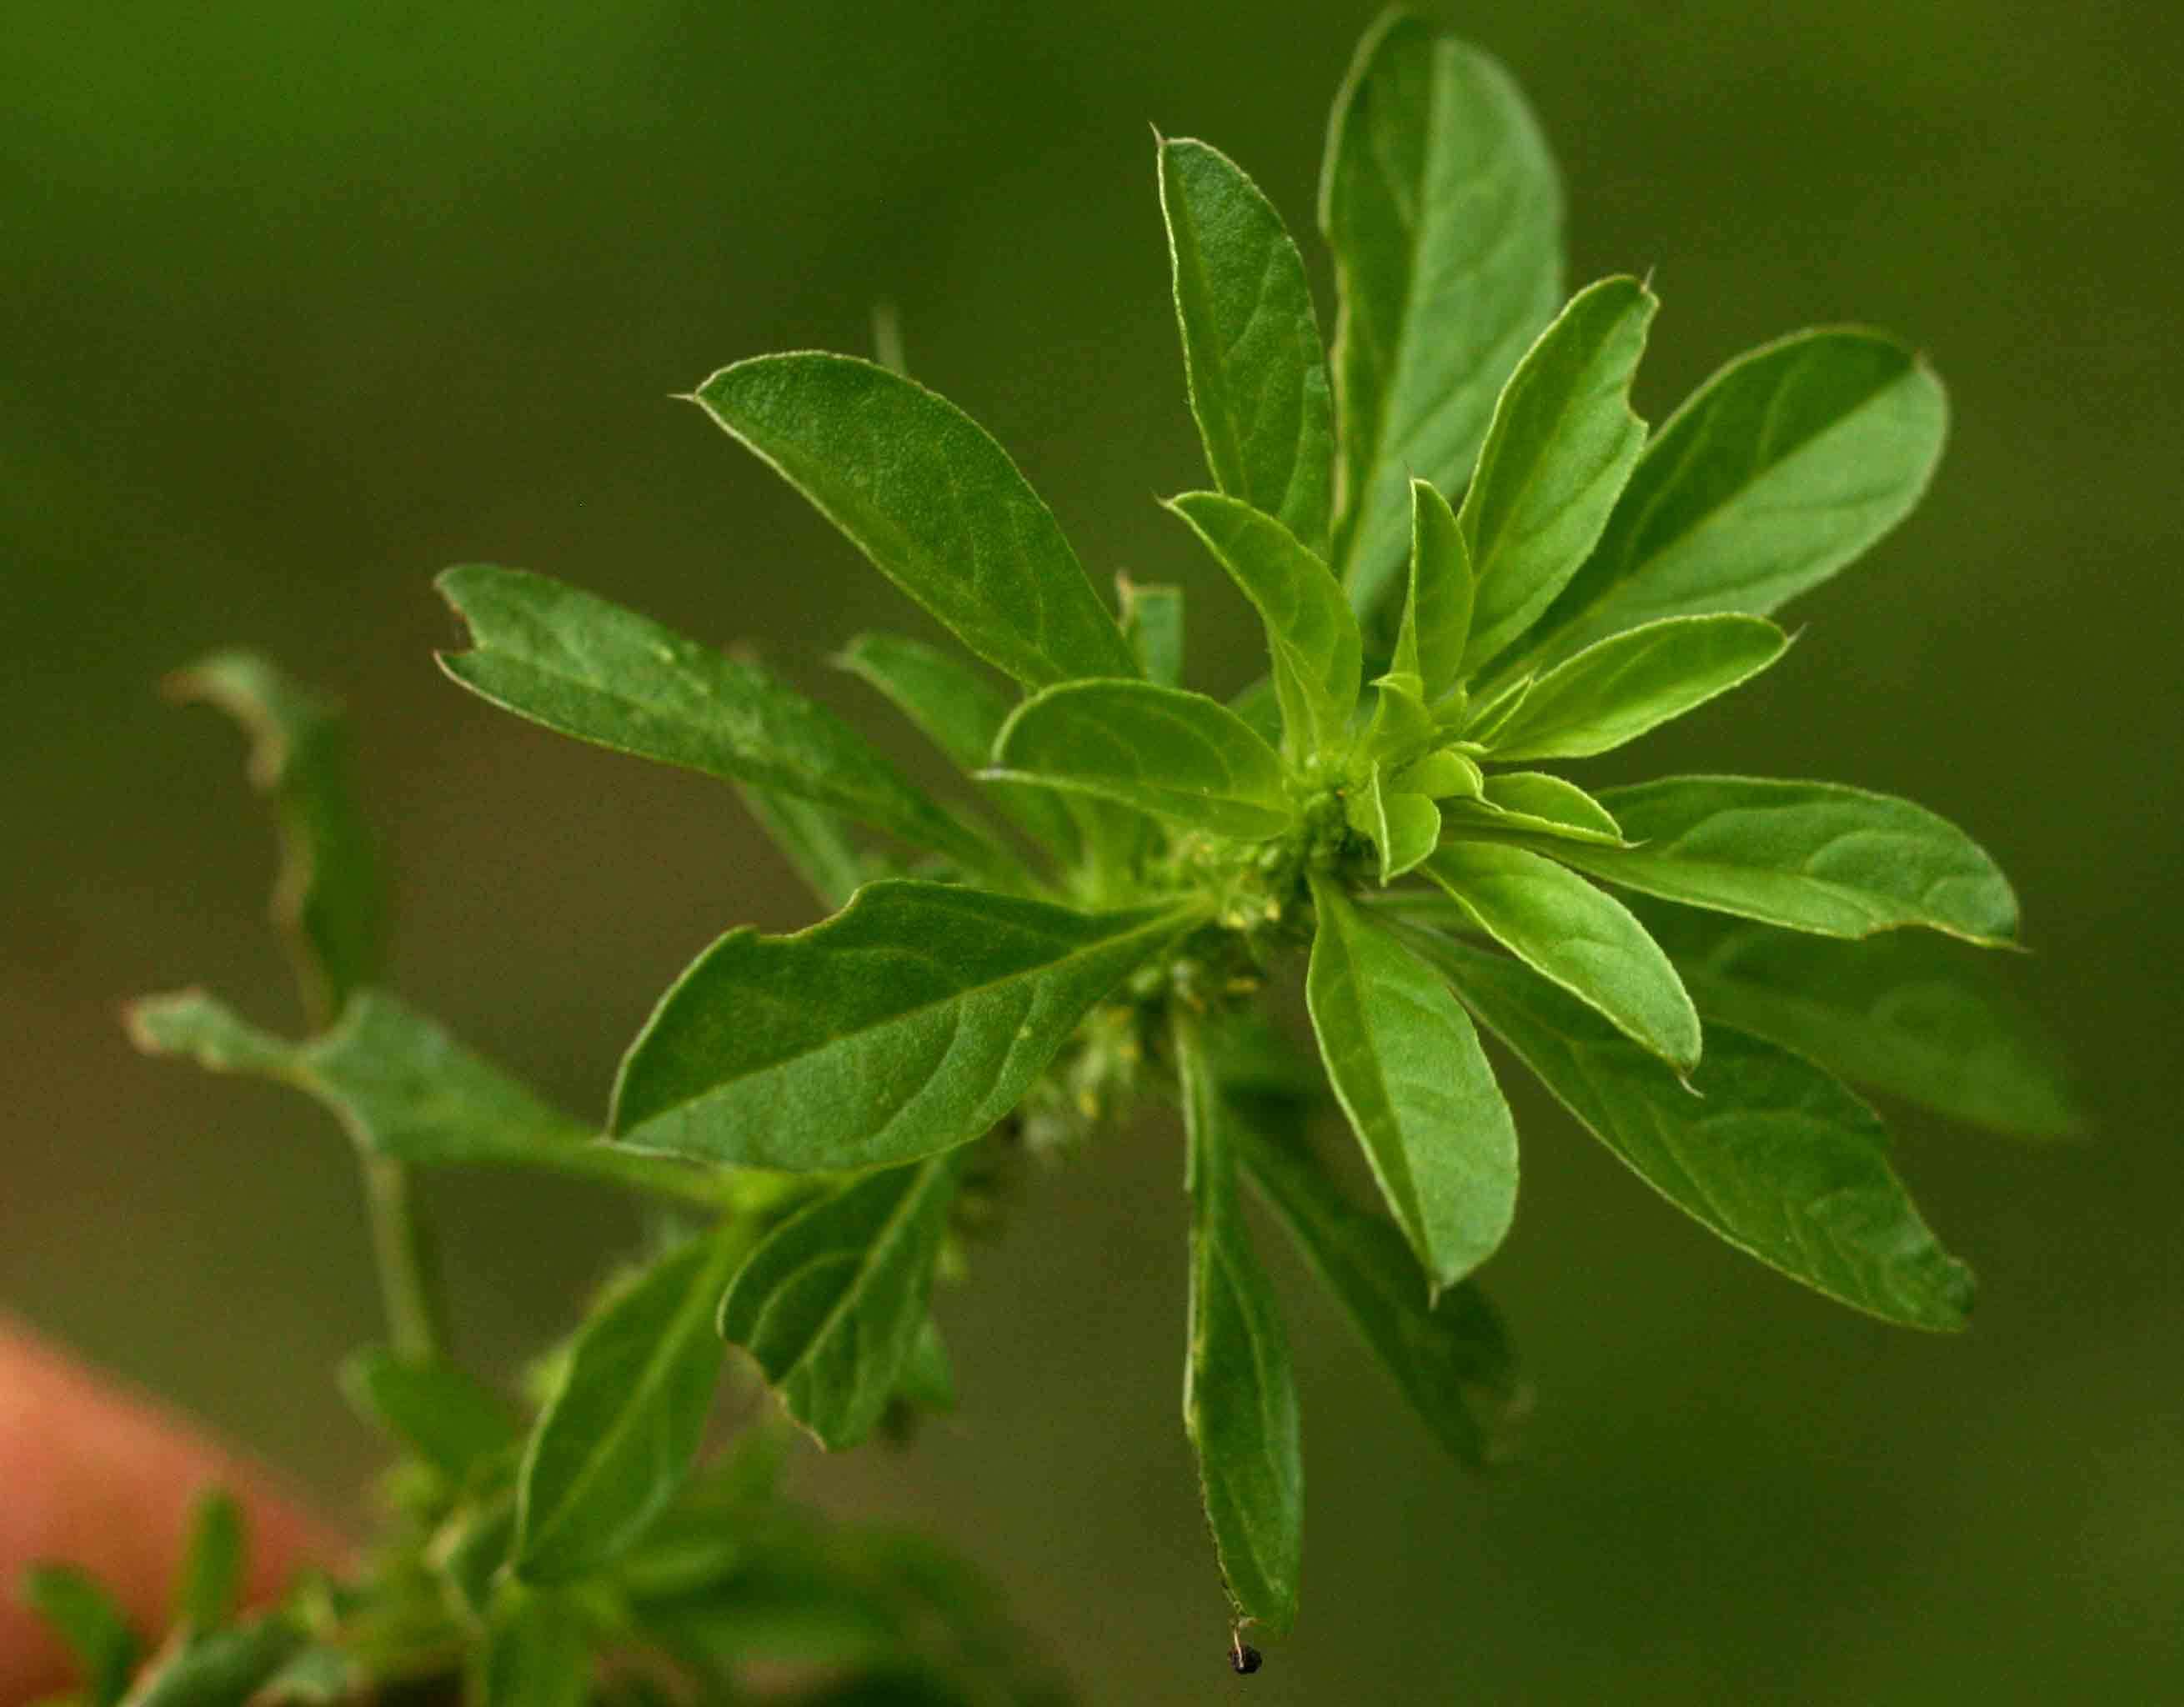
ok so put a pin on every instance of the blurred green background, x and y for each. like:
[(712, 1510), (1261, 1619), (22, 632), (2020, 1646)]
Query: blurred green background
[(302, 303)]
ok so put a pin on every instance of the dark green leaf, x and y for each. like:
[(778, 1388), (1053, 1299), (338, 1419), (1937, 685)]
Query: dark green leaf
[(326, 897), (1250, 341), (1616, 690), (1771, 1154), (1152, 622), (1310, 630), (444, 1414), (1568, 932), (602, 673), (1163, 750), (907, 1023), (224, 1668), (1451, 1357), (613, 1446), (1808, 856), (1533, 800), (85, 1617), (959, 711), (1563, 441), (404, 1089), (1437, 601), (538, 1653), (1408, 1069), (1782, 468), (926, 494), (1239, 1403), (210, 1580), (833, 1302), (1441, 203), (1908, 1013)]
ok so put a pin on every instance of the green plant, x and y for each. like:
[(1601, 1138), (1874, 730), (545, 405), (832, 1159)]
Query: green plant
[(1462, 494)]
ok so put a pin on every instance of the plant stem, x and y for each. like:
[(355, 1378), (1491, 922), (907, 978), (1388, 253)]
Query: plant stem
[(407, 1275)]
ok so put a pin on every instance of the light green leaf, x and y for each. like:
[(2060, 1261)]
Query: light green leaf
[(1568, 932), (1403, 828), (1771, 1154), (1808, 856), (1441, 203), (1407, 1067), (925, 493), (223, 1668), (1451, 1357), (1437, 601), (441, 1412), (538, 1653), (1616, 690), (613, 1446), (210, 1582), (832, 1303), (1152, 622), (907, 1023), (404, 1089), (1259, 706), (959, 711), (1563, 441), (1908, 1013), (1443, 775), (814, 840), (1317, 653), (1239, 1403), (1250, 341), (326, 897), (1163, 750), (928, 1377), (87, 1618), (1534, 801), (602, 673), (1481, 718), (1785, 466)]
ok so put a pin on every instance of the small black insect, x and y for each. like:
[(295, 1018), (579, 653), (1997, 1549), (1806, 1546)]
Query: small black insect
[(1243, 1658)]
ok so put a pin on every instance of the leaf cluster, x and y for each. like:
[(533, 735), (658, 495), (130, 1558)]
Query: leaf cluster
[(1470, 558)]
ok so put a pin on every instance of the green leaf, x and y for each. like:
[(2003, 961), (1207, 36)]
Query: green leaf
[(814, 840), (1571, 933), (1909, 1013), (1259, 707), (85, 1617), (1441, 203), (1616, 690), (210, 1582), (1451, 1357), (1408, 1069), (959, 711), (1444, 776), (1317, 653), (1250, 341), (224, 1668), (326, 897), (538, 1653), (1782, 468), (1563, 441), (925, 493), (1239, 1403), (1534, 801), (441, 1412), (1808, 856), (927, 1380), (613, 1446), (1163, 750), (1402, 827), (833, 1302), (602, 673), (403, 1088), (1771, 1154), (1152, 622), (909, 1023), (1437, 602), (469, 1550)]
